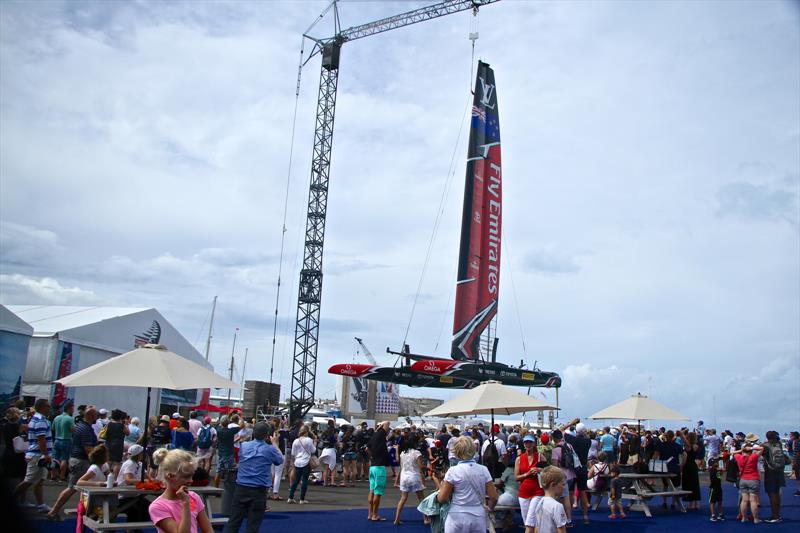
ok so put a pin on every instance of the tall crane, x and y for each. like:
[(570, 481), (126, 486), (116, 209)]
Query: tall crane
[(306, 335)]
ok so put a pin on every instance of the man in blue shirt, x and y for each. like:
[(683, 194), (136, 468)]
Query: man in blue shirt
[(256, 458), (38, 456)]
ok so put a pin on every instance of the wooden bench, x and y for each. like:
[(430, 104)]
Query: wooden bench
[(94, 525)]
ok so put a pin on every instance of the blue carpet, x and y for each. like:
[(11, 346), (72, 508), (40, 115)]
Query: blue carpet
[(354, 521)]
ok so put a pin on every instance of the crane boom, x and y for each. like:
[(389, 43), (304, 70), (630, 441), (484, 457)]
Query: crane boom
[(367, 353), (306, 337)]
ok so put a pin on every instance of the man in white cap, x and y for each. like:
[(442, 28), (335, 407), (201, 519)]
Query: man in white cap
[(102, 420), (136, 508)]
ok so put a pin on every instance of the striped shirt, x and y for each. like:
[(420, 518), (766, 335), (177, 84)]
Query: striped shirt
[(38, 426)]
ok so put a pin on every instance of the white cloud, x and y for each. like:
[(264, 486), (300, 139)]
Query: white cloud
[(17, 288)]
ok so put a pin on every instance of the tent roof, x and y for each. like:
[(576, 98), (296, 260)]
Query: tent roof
[(47, 320), (9, 321)]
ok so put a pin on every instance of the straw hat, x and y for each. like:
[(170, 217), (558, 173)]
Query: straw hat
[(751, 437)]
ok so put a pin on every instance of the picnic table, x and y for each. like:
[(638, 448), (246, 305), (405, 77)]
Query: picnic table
[(644, 491), (108, 499)]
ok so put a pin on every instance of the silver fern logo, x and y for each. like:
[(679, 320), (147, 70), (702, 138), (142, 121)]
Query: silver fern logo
[(151, 336)]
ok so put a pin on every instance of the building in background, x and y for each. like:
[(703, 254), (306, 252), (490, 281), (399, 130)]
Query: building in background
[(417, 406), (15, 338), (67, 339)]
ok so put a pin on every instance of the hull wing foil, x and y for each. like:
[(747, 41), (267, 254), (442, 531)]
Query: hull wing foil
[(401, 376), (507, 375)]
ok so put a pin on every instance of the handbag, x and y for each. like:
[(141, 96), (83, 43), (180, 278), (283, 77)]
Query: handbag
[(313, 462), (20, 444)]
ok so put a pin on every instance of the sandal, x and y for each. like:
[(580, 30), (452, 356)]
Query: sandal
[(612, 517)]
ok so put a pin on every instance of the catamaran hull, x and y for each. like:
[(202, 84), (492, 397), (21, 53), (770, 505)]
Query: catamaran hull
[(401, 376), (507, 375)]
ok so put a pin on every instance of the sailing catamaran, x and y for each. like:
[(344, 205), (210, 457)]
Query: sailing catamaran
[(478, 283)]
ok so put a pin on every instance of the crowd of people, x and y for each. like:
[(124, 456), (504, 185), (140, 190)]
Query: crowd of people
[(549, 476)]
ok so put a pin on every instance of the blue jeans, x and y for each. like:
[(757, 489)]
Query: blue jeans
[(300, 473)]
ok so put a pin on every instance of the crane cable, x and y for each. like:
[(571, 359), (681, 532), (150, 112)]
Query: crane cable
[(473, 36), (286, 209)]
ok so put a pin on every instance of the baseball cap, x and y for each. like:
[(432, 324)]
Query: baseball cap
[(545, 438), (496, 428), (103, 411), (528, 438), (165, 418), (581, 427), (134, 450), (207, 420), (176, 415)]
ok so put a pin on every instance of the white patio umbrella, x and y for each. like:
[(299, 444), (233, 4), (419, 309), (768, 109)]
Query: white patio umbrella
[(490, 397), (638, 407), (151, 365)]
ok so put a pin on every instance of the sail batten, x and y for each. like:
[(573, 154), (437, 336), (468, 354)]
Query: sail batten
[(478, 285)]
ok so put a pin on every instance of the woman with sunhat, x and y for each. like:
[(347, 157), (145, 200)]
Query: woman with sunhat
[(749, 481)]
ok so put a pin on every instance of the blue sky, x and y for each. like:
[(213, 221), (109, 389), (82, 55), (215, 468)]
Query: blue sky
[(651, 162)]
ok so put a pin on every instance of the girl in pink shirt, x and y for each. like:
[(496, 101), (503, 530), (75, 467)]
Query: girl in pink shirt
[(178, 510)]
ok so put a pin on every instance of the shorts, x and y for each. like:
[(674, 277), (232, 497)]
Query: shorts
[(362, 457), (205, 453), (773, 481), (714, 496), (33, 472), (77, 468), (525, 505), (62, 449), (581, 479), (225, 462), (377, 479), (749, 486), (349, 456)]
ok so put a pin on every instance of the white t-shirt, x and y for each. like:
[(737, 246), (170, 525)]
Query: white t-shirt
[(302, 449), (548, 515), (129, 467), (408, 463), (499, 444), (450, 443), (469, 481), (99, 474)]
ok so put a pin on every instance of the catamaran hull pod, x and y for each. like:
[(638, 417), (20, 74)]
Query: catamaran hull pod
[(402, 376), (507, 375), (478, 284)]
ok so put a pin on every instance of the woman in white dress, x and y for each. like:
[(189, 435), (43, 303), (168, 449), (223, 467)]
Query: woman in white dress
[(466, 486), (410, 476)]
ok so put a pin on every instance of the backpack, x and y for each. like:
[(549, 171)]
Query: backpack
[(491, 460), (600, 479), (204, 438), (775, 459), (568, 457)]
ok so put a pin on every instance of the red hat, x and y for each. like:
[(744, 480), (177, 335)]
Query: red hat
[(496, 428), (207, 420), (545, 438), (437, 443)]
